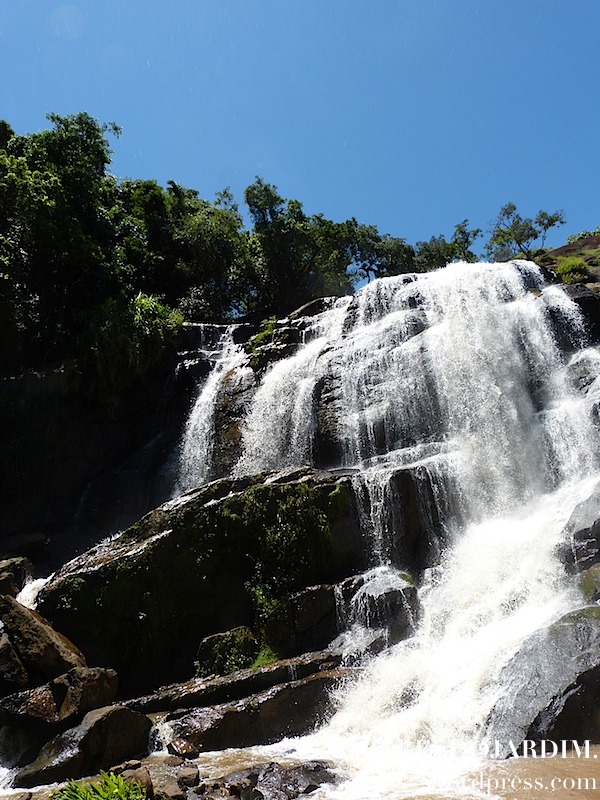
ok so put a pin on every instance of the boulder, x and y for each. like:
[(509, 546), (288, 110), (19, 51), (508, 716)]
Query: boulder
[(43, 652), (14, 574), (134, 772), (289, 709), (105, 737), (224, 653), (539, 678), (60, 703), (313, 619)]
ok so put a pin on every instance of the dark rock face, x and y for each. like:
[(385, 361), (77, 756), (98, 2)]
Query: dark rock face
[(539, 680), (190, 565), (589, 305), (13, 675), (14, 574), (105, 737)]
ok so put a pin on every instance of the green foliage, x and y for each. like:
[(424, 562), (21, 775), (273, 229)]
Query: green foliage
[(513, 235), (128, 338), (264, 336), (109, 787), (30, 426), (572, 269), (266, 656), (575, 237), (296, 257), (378, 255)]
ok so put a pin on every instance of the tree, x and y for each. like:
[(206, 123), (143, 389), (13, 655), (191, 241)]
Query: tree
[(296, 257), (513, 235), (462, 241), (378, 255)]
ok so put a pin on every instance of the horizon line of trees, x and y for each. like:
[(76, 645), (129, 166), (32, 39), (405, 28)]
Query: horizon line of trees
[(105, 270)]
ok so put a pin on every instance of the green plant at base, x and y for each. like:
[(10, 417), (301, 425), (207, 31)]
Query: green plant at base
[(109, 786)]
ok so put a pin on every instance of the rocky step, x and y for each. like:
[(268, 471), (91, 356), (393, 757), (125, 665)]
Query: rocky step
[(288, 709), (241, 684)]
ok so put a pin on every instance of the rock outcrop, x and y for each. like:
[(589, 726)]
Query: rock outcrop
[(209, 561)]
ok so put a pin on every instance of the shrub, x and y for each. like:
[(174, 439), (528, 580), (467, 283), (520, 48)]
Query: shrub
[(575, 237), (572, 269), (110, 786), (128, 338)]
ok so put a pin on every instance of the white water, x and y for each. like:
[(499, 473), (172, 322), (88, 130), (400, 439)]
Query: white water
[(197, 442), (457, 376)]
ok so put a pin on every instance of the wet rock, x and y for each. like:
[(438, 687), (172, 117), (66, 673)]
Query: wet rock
[(381, 599), (188, 777), (539, 678), (312, 308), (580, 548), (105, 737), (236, 392), (169, 791), (272, 781), (289, 709), (313, 618), (43, 652), (13, 676), (229, 688), (182, 748), (14, 574), (572, 716), (589, 583), (589, 304), (61, 702)]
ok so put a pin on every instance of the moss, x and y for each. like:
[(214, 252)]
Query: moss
[(264, 336), (589, 583), (266, 656)]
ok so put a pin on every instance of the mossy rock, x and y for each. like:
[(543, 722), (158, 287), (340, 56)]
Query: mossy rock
[(220, 557), (589, 583), (224, 653)]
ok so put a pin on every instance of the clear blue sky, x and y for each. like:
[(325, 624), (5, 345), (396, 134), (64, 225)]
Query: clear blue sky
[(407, 114)]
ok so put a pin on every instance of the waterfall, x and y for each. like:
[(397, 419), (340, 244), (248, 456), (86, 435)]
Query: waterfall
[(196, 449), (450, 388)]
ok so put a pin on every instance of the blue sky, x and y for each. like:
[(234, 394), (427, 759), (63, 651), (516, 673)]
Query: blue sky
[(407, 114)]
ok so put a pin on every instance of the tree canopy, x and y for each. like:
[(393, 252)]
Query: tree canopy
[(89, 262)]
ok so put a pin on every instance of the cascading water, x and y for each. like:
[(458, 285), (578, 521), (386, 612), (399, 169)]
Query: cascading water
[(196, 451), (454, 381)]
